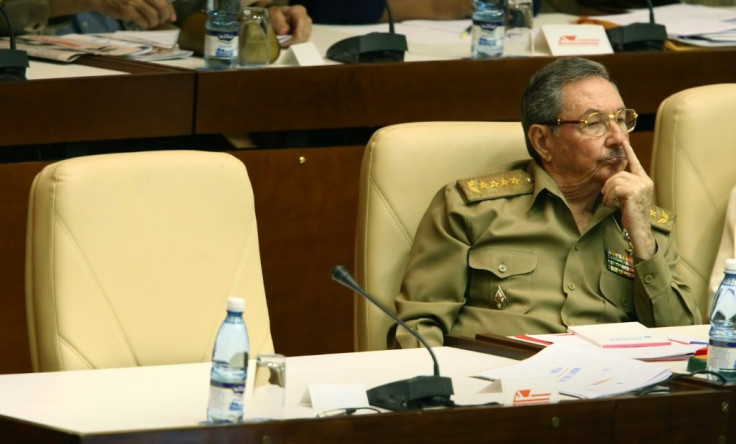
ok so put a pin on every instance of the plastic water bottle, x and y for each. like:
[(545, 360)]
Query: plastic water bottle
[(722, 337), (221, 35), (488, 29), (229, 367)]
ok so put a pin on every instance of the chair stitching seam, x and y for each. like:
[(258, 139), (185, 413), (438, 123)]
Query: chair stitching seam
[(104, 298), (688, 163), (391, 211), (75, 351)]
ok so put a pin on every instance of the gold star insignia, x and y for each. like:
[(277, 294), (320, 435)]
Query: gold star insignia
[(504, 182), (653, 213), (472, 187), (665, 217), (494, 184), (483, 184), (514, 181)]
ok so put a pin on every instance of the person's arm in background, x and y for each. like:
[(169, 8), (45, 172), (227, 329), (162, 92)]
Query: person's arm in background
[(147, 14), (33, 16), (291, 20)]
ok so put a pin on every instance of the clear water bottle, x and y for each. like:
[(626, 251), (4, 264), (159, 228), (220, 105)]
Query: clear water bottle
[(229, 367), (488, 29), (221, 34), (722, 337)]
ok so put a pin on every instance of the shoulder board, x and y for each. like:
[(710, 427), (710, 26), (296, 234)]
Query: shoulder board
[(661, 218), (493, 186)]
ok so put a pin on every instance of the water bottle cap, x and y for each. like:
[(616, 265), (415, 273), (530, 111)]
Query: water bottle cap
[(235, 304), (730, 265)]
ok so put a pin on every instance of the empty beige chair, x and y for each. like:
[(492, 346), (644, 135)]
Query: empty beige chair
[(131, 257), (693, 172), (403, 167)]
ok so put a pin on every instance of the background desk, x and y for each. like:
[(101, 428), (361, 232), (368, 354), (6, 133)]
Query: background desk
[(166, 403), (305, 192)]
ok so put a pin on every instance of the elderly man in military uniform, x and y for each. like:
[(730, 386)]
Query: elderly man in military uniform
[(569, 237)]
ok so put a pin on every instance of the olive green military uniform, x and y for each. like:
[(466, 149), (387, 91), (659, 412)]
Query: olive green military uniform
[(503, 254)]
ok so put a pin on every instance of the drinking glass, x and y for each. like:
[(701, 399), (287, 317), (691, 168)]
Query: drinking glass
[(253, 44)]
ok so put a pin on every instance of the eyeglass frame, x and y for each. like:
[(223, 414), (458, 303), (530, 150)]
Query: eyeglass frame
[(583, 122)]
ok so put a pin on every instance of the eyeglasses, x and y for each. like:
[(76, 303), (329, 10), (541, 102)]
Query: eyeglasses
[(596, 124)]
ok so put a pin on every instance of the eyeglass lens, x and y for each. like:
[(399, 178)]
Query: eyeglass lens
[(597, 123)]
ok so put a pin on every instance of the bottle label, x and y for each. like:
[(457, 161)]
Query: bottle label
[(221, 44), (487, 39), (721, 356), (227, 397)]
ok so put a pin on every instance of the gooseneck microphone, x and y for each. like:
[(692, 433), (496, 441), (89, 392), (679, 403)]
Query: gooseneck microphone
[(407, 394), (371, 47)]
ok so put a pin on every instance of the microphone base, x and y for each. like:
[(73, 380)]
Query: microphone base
[(412, 394), (638, 37), (13, 64), (369, 48)]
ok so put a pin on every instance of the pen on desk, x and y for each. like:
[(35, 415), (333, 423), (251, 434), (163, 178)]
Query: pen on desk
[(466, 32)]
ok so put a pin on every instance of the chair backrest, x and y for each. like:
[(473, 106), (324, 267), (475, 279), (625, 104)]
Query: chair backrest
[(403, 167), (130, 259), (694, 168)]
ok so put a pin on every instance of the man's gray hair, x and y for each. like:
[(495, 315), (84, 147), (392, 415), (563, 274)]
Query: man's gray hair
[(542, 98)]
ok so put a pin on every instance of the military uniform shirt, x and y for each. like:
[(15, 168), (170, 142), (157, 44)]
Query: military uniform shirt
[(503, 254)]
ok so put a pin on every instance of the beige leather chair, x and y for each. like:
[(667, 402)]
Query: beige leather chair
[(403, 167), (693, 172), (131, 257)]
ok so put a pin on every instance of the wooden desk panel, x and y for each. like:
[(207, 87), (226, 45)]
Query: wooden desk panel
[(306, 210), (381, 94), (151, 101)]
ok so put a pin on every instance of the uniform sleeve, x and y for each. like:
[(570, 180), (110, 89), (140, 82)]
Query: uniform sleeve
[(661, 298), (343, 12), (26, 16), (433, 289)]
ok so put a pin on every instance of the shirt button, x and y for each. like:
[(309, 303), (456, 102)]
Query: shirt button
[(502, 268), (571, 286), (649, 279)]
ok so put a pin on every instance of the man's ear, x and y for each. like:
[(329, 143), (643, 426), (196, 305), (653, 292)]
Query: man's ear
[(540, 137)]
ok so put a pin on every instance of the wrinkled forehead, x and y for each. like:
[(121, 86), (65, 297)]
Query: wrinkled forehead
[(590, 94)]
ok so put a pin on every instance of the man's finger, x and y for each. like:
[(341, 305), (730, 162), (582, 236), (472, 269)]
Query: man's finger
[(634, 164)]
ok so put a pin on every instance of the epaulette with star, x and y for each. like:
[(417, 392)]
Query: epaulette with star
[(493, 186), (661, 218)]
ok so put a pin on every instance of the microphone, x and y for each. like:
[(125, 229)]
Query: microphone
[(639, 36), (406, 394), (13, 62), (371, 47)]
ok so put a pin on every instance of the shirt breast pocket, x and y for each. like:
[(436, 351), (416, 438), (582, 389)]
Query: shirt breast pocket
[(501, 279), (619, 291)]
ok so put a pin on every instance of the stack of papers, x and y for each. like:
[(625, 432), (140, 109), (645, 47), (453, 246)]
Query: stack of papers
[(584, 372), (69, 47), (627, 339), (619, 335), (692, 24)]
